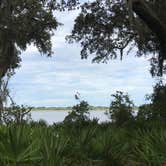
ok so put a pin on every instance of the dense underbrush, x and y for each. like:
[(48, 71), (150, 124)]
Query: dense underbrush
[(88, 144), (126, 140)]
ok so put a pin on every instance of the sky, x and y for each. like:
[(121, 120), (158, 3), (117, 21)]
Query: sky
[(43, 81)]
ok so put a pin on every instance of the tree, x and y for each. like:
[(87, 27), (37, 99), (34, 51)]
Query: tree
[(121, 108), (158, 98), (156, 109), (24, 22), (4, 92), (145, 112), (16, 114), (103, 27), (79, 113)]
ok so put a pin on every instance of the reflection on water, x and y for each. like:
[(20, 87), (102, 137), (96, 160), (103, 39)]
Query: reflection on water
[(58, 116)]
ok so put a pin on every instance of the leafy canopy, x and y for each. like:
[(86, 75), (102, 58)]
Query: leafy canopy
[(105, 27), (23, 22)]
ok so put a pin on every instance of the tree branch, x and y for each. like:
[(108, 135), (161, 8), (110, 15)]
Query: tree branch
[(149, 16)]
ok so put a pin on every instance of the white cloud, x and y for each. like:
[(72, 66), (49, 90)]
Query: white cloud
[(54, 81)]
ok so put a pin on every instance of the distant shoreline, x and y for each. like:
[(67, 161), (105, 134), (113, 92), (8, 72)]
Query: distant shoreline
[(61, 110), (58, 109), (46, 110), (92, 108)]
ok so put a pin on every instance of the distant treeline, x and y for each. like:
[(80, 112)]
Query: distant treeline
[(104, 108), (94, 108)]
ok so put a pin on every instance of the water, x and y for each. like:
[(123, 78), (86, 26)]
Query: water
[(58, 116)]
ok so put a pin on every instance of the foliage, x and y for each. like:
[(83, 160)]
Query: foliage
[(17, 146), (158, 98), (145, 112), (121, 108), (24, 22), (156, 109), (53, 147), (94, 145), (106, 147), (79, 113), (149, 147), (16, 114), (103, 27)]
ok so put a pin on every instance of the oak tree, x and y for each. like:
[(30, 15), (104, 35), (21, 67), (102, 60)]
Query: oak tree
[(105, 28)]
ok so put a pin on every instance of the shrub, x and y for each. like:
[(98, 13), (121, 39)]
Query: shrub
[(158, 99), (145, 112), (79, 113), (156, 110), (121, 108), (17, 114)]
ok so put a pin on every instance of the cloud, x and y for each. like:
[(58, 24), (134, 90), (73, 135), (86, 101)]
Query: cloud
[(43, 81)]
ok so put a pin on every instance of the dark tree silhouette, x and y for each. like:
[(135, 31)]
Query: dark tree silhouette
[(23, 22), (103, 27)]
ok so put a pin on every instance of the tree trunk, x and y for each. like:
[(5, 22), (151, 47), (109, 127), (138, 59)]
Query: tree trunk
[(149, 16), (1, 101), (155, 24), (4, 93), (161, 58)]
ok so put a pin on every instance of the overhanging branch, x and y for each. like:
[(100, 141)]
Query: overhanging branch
[(149, 16)]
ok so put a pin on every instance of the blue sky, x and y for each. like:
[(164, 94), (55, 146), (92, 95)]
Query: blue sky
[(43, 81)]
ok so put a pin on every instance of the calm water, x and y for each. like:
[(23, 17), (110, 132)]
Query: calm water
[(58, 116)]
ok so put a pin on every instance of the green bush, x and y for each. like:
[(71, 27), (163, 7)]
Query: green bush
[(94, 145), (145, 112), (18, 147), (121, 108), (156, 110), (79, 113), (158, 99), (16, 114)]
